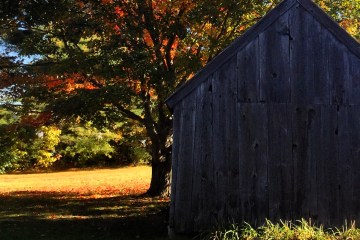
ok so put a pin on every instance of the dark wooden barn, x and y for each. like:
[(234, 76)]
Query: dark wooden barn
[(271, 127)]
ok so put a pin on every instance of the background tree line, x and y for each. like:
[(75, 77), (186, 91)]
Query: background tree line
[(90, 77)]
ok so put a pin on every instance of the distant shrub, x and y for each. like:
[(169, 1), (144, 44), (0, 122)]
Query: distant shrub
[(84, 143)]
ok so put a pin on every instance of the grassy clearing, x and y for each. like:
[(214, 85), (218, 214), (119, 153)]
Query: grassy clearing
[(95, 204), (301, 230)]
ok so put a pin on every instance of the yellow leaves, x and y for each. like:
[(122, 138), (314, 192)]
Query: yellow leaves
[(59, 43), (324, 6), (48, 139), (351, 26)]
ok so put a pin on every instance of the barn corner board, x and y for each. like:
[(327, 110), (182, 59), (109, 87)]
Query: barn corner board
[(270, 128)]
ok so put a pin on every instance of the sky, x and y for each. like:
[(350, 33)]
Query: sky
[(4, 50), (24, 59)]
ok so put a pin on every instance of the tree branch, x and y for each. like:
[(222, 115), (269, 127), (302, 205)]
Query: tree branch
[(130, 114), (28, 65)]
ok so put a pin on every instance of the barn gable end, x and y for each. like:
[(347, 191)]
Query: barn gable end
[(270, 128), (335, 32)]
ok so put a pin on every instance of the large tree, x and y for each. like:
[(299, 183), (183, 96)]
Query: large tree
[(103, 58)]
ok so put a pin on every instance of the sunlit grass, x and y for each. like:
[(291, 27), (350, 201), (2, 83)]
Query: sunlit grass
[(124, 181), (284, 230), (95, 204)]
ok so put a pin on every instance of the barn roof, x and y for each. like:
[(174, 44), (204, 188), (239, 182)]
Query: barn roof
[(253, 32)]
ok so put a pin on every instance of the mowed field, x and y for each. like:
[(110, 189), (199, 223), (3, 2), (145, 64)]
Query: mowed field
[(93, 204), (129, 180)]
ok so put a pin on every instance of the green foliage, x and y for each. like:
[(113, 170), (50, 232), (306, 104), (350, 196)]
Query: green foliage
[(87, 142), (285, 230), (10, 150), (24, 147)]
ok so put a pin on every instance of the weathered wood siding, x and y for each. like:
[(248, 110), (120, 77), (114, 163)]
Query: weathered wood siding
[(273, 133)]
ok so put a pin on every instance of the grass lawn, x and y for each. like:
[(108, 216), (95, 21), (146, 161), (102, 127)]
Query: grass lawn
[(94, 204)]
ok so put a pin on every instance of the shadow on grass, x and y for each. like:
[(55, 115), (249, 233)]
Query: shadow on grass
[(44, 215)]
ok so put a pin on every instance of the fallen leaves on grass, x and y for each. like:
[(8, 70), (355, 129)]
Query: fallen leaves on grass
[(81, 184), (79, 195)]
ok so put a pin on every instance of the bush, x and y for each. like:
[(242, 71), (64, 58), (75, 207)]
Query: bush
[(86, 143)]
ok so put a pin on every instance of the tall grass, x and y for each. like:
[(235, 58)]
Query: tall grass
[(285, 230)]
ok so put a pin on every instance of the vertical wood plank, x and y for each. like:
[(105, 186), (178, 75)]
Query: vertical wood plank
[(354, 143), (248, 63), (321, 81), (231, 140), (354, 79), (275, 62), (313, 138), (253, 162), (218, 143), (301, 56), (175, 161), (224, 112), (349, 147), (338, 72), (207, 202), (197, 158), (184, 223), (246, 162), (308, 59), (327, 160), (302, 120), (280, 166)]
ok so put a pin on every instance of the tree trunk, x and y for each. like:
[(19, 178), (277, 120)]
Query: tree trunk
[(161, 177)]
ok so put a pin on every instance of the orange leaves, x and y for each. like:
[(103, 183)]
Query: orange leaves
[(68, 83), (106, 1), (351, 25), (147, 38), (117, 30), (163, 48), (173, 47), (119, 12)]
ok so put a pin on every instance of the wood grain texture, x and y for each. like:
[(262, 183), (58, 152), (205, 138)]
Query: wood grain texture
[(271, 128), (249, 77), (197, 158), (229, 52), (337, 31), (280, 165), (253, 161), (327, 158), (275, 62), (175, 162), (231, 138), (207, 200), (354, 79), (184, 178)]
